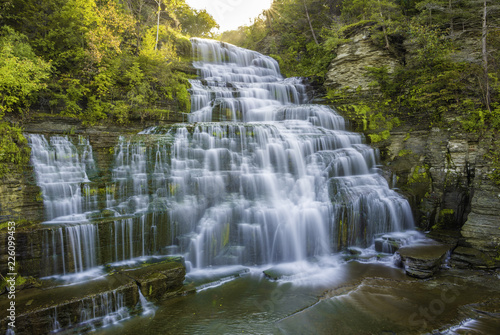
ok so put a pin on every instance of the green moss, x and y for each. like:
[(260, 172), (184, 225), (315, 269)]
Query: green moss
[(14, 149), (404, 152), (354, 28), (446, 218), (384, 135), (225, 235), (419, 175)]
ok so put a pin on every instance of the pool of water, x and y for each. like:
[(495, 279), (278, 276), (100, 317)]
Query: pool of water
[(347, 298)]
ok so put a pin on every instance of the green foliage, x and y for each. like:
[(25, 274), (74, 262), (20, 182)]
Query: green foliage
[(23, 74), (404, 152), (370, 117), (196, 23), (493, 156), (383, 135), (419, 175), (106, 64), (14, 149)]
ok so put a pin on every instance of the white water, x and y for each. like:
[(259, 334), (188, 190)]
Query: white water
[(148, 309), (61, 170), (257, 177)]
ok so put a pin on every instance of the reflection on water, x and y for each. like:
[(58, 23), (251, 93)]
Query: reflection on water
[(350, 298)]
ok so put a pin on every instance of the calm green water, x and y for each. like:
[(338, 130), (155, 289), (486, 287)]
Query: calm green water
[(351, 298)]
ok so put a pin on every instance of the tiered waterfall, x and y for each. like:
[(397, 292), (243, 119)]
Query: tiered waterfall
[(257, 176)]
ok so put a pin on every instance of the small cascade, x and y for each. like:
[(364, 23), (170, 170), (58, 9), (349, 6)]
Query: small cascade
[(137, 168), (56, 325), (105, 309), (147, 307), (130, 176), (81, 250), (61, 170), (135, 198), (71, 249), (94, 312)]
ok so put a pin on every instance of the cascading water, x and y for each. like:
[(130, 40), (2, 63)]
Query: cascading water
[(256, 177), (61, 170), (259, 178)]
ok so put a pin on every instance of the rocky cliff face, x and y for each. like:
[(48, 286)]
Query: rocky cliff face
[(443, 171), (446, 175), (348, 70)]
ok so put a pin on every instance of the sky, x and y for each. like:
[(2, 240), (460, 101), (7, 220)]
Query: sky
[(230, 14)]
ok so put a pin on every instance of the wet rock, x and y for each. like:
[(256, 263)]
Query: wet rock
[(214, 277), (46, 309), (277, 272), (482, 229), (160, 280), (450, 237), (383, 305), (423, 260), (354, 251), (80, 307), (465, 257), (386, 245), (390, 243)]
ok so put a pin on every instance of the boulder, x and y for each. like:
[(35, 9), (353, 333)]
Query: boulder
[(423, 260)]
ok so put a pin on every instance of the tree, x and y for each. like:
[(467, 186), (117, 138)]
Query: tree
[(484, 51), (195, 22), (310, 24), (23, 73), (381, 11)]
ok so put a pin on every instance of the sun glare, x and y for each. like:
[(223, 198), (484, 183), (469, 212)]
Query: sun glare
[(230, 14)]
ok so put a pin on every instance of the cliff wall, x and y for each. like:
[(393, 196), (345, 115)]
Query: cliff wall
[(444, 171)]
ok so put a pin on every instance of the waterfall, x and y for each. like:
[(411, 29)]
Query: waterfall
[(61, 170), (94, 312), (259, 176)]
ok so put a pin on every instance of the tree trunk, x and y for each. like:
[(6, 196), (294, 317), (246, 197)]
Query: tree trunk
[(383, 25), (451, 16), (485, 55), (310, 25), (158, 23)]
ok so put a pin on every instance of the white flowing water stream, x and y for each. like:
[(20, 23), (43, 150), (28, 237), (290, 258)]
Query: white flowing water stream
[(260, 177)]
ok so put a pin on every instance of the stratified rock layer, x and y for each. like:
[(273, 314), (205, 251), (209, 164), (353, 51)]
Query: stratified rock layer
[(348, 70), (423, 260), (79, 307)]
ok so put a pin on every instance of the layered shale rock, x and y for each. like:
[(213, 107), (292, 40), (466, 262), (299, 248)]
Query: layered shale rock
[(348, 70)]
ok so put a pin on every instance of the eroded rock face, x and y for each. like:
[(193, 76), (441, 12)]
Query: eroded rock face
[(482, 229), (20, 197), (443, 171), (446, 174), (348, 69)]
